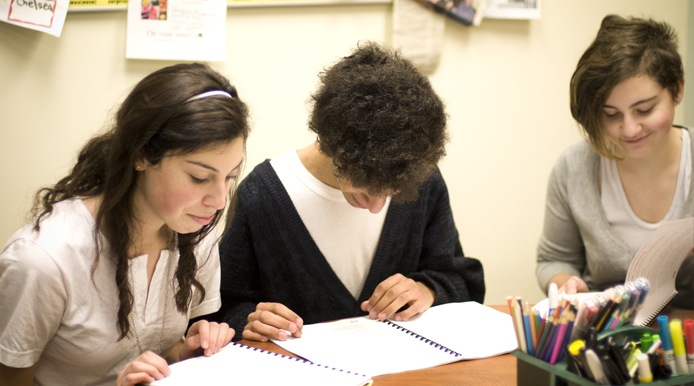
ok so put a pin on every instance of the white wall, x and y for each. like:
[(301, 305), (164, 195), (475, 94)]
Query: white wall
[(505, 84)]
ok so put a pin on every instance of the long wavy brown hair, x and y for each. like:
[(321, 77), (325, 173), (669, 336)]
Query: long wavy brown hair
[(156, 119)]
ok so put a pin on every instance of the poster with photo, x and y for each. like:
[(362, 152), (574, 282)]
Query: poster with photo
[(177, 30), (41, 15)]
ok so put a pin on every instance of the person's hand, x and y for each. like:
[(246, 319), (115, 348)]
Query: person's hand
[(396, 292), (146, 368), (205, 338), (573, 285), (272, 321)]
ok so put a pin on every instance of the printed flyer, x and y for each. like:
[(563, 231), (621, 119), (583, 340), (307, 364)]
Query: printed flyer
[(177, 30)]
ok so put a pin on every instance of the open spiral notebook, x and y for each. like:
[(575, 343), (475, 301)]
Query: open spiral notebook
[(238, 364), (443, 334)]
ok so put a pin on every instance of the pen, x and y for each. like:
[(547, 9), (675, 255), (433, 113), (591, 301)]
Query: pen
[(666, 339), (587, 311), (615, 352), (678, 346), (645, 375), (656, 343), (613, 374), (646, 341), (606, 310), (689, 333), (596, 369)]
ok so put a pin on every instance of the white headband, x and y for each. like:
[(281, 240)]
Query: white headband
[(209, 94)]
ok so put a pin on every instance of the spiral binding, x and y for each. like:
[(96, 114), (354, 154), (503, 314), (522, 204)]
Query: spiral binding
[(647, 321), (296, 359), (423, 339)]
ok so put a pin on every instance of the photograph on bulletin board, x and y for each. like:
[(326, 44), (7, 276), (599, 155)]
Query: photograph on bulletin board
[(153, 9)]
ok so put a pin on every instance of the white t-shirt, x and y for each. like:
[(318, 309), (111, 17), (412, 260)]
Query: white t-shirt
[(55, 314), (622, 218), (345, 235)]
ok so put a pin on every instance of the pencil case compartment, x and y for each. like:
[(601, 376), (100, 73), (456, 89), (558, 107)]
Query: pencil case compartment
[(533, 371)]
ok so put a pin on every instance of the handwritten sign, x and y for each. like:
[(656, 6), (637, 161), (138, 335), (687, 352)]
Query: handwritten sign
[(42, 15)]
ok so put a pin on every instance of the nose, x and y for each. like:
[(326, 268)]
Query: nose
[(630, 126), (375, 203), (217, 196)]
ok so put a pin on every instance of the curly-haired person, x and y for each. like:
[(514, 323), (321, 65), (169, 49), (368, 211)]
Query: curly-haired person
[(358, 222)]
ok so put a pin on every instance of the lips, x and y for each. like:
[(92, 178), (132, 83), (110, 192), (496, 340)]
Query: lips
[(204, 220), (356, 201), (635, 141)]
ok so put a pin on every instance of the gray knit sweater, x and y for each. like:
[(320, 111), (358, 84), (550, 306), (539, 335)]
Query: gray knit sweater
[(577, 238)]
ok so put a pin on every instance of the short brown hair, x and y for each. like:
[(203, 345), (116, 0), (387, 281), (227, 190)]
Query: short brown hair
[(623, 48)]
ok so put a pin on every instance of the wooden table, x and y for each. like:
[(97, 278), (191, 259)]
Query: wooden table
[(499, 370)]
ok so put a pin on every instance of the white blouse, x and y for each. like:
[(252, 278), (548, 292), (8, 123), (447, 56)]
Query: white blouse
[(55, 314)]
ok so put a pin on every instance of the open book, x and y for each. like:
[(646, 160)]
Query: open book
[(239, 364), (658, 260), (442, 334)]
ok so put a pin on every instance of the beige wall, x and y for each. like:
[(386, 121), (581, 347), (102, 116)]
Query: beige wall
[(505, 84)]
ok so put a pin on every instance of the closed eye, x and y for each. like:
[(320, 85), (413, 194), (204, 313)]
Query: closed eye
[(612, 115), (646, 111), (198, 180)]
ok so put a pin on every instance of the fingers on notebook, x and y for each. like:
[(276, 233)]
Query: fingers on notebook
[(272, 321), (398, 293)]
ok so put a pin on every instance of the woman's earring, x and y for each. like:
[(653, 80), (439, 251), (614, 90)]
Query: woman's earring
[(139, 167)]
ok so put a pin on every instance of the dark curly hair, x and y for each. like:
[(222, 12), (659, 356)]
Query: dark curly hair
[(156, 119), (623, 48), (380, 121)]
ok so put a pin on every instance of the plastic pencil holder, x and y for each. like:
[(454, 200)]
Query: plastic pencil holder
[(536, 372)]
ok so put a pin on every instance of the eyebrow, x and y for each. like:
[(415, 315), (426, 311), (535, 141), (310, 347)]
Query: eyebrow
[(208, 167), (634, 104)]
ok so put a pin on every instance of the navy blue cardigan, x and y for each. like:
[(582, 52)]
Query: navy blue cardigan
[(268, 255)]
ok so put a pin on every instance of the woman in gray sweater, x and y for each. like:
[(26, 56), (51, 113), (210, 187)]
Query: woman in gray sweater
[(608, 194)]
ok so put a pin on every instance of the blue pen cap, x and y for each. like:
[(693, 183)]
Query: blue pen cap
[(664, 332)]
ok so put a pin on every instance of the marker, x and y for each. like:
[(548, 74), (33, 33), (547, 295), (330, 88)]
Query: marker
[(646, 341), (576, 358), (632, 362), (645, 374), (596, 369), (553, 295), (678, 346), (689, 332), (666, 339)]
